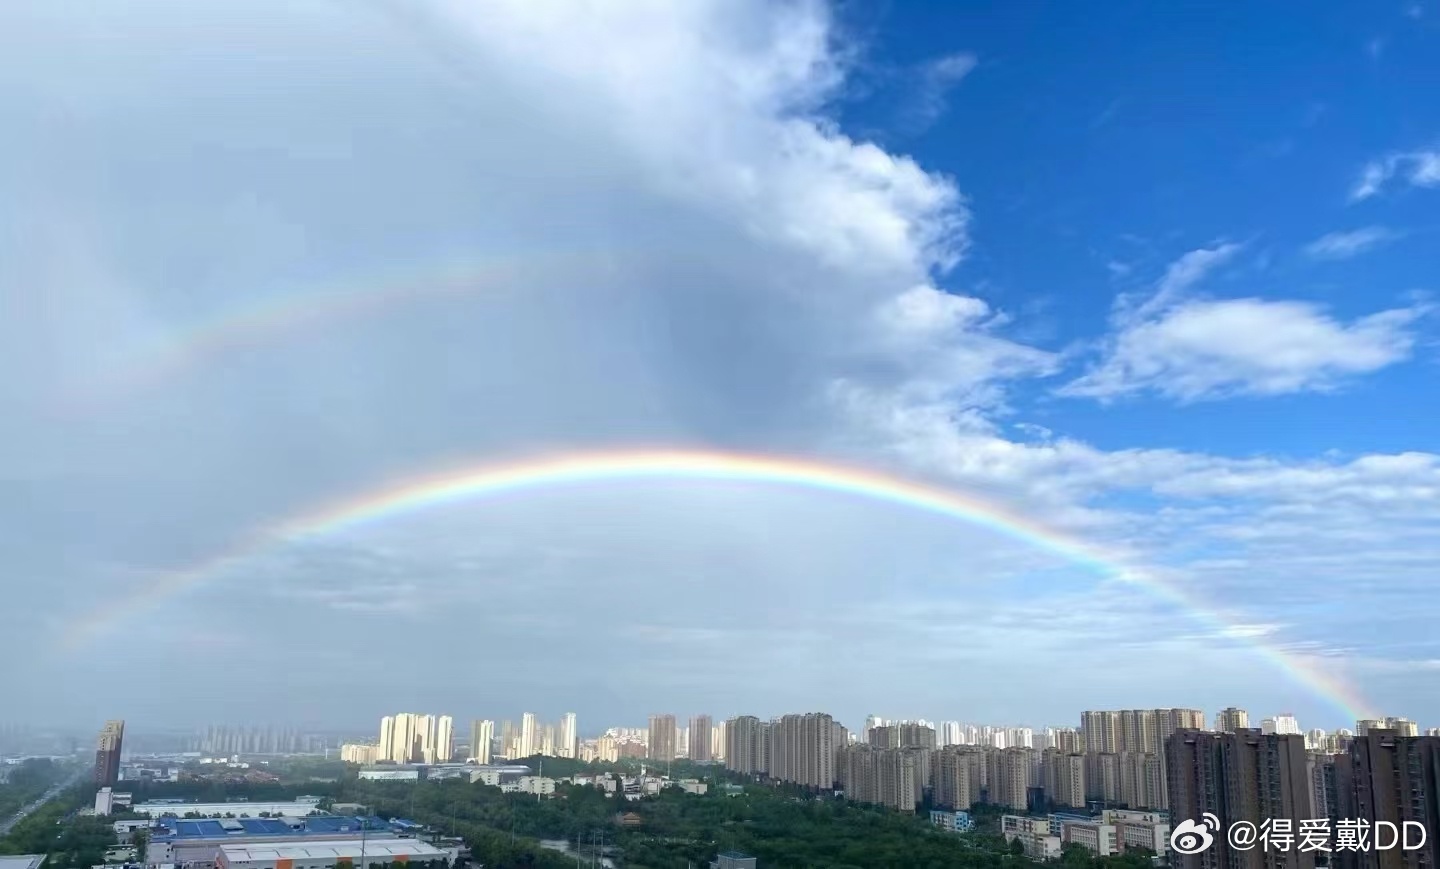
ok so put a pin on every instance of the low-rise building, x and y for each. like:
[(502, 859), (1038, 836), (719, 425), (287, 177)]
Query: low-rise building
[(195, 843), (297, 808), (530, 784), (733, 860), (327, 855), (1094, 836), (954, 822), (124, 830), (107, 801), (1033, 834), (21, 861), (1147, 830)]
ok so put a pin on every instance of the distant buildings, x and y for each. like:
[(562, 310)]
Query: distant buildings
[(701, 746), (1230, 719), (803, 747), (1281, 724), (107, 754), (569, 739), (662, 744), (1399, 726), (412, 738), (361, 753), (883, 776), (747, 745), (482, 740), (957, 776)]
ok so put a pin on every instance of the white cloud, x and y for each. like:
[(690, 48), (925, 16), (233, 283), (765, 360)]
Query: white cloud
[(929, 94), (732, 120), (1344, 245), (1419, 168), (1180, 276), (1202, 350), (1192, 349)]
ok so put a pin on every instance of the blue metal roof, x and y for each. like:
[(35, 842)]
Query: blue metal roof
[(213, 829)]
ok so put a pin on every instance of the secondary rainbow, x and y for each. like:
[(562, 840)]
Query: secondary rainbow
[(257, 321), (488, 481)]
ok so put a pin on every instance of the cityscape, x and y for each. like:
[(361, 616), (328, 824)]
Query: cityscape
[(1118, 782), (719, 434)]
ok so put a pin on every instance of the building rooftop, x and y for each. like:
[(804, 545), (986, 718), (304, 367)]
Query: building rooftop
[(290, 808), (181, 829), (346, 848), (21, 861)]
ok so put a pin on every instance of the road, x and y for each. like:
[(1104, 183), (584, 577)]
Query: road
[(55, 791)]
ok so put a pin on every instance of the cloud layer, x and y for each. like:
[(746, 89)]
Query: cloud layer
[(696, 254)]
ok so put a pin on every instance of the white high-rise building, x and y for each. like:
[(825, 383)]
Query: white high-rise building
[(444, 739), (529, 735), (425, 735), (387, 738), (717, 741), (871, 722), (950, 733), (1280, 724), (482, 739), (569, 738), (402, 742)]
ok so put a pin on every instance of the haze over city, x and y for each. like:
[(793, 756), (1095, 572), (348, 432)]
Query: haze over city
[(717, 357)]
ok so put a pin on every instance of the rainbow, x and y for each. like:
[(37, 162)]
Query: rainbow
[(488, 481), (253, 323)]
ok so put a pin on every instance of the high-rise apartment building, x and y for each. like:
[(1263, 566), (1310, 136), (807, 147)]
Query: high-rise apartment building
[(1230, 719), (717, 741), (530, 735), (444, 739), (410, 738), (1064, 775), (745, 749), (903, 734), (957, 776), (1284, 723), (885, 776), (482, 740), (1012, 772), (803, 748), (700, 747), (1392, 781), (1066, 739), (1142, 781), (1135, 730), (107, 753), (663, 738), (1242, 776), (950, 733), (569, 736), (383, 749)]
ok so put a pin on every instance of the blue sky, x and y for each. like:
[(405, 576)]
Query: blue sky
[(1096, 143), (1159, 278)]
